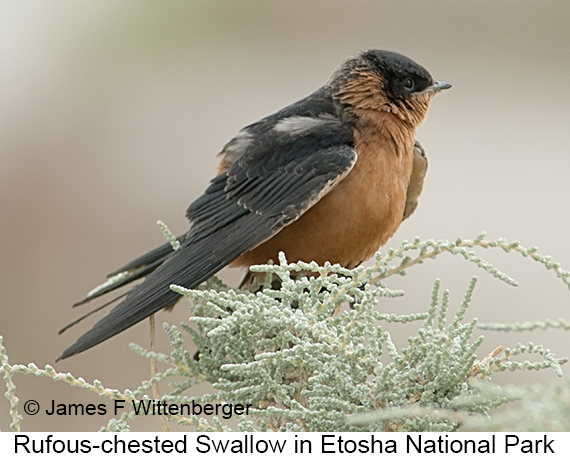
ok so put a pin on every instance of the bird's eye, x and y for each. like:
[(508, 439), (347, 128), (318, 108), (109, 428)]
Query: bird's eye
[(409, 83)]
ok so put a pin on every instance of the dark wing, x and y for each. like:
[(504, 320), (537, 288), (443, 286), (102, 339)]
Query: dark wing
[(320, 109), (289, 165), (416, 185)]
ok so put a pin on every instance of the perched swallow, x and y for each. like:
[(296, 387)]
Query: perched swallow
[(328, 178)]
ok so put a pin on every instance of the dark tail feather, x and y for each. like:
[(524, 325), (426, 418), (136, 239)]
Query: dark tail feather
[(99, 308), (189, 266), (123, 316), (154, 257), (139, 268), (136, 269), (147, 298), (141, 272)]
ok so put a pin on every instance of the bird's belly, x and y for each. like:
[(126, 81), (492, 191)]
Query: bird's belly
[(351, 222)]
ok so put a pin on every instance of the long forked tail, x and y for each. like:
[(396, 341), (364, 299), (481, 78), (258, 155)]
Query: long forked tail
[(194, 262), (136, 269)]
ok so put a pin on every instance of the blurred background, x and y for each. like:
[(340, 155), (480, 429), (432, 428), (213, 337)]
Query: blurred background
[(112, 113)]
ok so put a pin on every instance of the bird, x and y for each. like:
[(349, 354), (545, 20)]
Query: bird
[(328, 178)]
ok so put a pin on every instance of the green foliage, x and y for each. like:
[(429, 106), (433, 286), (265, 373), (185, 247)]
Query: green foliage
[(313, 353), (534, 408)]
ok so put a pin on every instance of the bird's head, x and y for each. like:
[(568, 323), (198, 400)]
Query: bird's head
[(385, 81)]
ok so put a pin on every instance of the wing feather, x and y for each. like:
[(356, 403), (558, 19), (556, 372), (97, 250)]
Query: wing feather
[(278, 177)]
